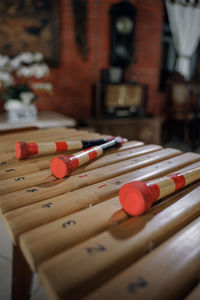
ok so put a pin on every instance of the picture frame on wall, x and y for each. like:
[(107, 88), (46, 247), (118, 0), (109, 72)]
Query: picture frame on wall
[(30, 25)]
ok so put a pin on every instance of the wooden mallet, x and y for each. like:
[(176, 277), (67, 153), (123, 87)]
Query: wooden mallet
[(62, 166), (137, 197), (24, 150)]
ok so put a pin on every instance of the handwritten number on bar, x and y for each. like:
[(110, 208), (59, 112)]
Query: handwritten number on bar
[(32, 191), (70, 222), (93, 250), (137, 284), (118, 182), (47, 205), (102, 186), (19, 178), (82, 176), (9, 170)]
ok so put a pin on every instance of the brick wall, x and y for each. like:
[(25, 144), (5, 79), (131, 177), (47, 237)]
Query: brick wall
[(74, 78)]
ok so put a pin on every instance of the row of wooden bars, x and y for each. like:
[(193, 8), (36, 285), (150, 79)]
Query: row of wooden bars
[(75, 234)]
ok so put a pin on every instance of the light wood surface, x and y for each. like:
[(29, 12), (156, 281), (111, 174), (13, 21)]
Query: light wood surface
[(80, 180), (118, 248), (152, 271), (38, 244), (52, 208), (40, 163), (75, 234)]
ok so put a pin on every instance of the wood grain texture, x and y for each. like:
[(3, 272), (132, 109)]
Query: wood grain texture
[(38, 163), (76, 235), (116, 248), (77, 181), (152, 276)]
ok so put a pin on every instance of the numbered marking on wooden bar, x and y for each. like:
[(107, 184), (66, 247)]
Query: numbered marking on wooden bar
[(68, 223), (77, 228), (22, 198), (93, 176), (92, 250), (124, 244), (142, 278), (21, 182), (71, 203)]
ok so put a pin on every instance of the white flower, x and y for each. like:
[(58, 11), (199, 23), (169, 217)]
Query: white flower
[(26, 57), (36, 70), (40, 70), (25, 64), (4, 60), (15, 63), (38, 57), (24, 71), (6, 78)]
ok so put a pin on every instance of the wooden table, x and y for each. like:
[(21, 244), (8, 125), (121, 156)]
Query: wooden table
[(75, 234), (45, 119)]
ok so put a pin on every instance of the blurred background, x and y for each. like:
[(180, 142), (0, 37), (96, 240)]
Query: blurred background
[(129, 68)]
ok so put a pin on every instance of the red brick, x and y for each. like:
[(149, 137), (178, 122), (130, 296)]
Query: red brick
[(74, 78)]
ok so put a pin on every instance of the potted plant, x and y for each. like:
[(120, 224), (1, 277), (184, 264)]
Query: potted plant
[(16, 77)]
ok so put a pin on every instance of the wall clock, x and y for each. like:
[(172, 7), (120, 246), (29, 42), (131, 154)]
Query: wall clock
[(122, 24)]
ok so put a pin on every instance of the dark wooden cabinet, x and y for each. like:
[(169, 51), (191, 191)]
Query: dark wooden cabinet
[(147, 130)]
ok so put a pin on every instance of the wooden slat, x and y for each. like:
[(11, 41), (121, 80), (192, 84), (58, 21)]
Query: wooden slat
[(23, 169), (7, 160), (102, 256), (8, 142), (25, 181), (10, 146), (38, 244), (54, 208), (76, 234), (35, 133), (47, 134), (80, 180), (195, 293), (36, 194), (161, 274), (116, 157), (43, 163), (10, 157)]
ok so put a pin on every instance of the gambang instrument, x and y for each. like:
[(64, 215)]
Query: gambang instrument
[(75, 233)]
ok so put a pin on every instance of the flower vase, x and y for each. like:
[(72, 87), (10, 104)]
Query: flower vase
[(21, 110)]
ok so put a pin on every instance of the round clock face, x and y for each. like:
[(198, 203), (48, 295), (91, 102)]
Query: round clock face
[(124, 25)]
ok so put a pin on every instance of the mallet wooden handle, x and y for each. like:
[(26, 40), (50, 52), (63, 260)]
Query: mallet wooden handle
[(62, 166), (24, 150), (137, 197)]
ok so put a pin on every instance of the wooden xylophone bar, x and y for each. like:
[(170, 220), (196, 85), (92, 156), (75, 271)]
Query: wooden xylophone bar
[(143, 278), (100, 216), (39, 213), (59, 225), (41, 164)]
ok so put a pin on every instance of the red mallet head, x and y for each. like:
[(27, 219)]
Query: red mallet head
[(136, 197), (24, 150), (21, 150), (61, 166)]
